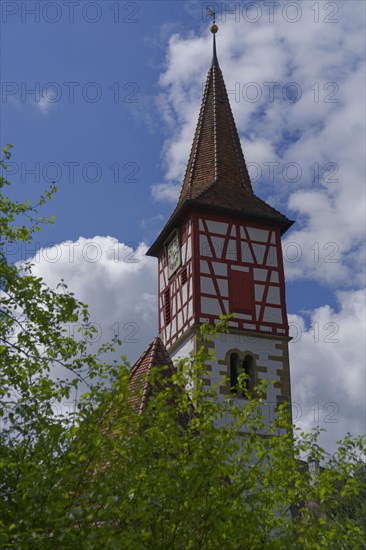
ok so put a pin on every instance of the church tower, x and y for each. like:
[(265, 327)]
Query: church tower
[(220, 253)]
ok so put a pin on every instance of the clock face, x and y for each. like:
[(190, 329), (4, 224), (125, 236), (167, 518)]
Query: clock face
[(173, 252)]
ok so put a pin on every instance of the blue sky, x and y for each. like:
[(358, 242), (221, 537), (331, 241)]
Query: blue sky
[(112, 119)]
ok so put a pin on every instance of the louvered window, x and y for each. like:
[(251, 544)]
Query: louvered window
[(183, 276), (167, 308)]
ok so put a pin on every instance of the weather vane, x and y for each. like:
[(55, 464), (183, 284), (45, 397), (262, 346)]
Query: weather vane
[(214, 28)]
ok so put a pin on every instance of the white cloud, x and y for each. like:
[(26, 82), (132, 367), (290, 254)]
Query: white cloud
[(118, 283), (328, 375), (38, 102), (165, 192), (44, 105)]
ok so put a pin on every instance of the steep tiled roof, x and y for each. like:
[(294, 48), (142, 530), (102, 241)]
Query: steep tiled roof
[(216, 154), (155, 355), (216, 174)]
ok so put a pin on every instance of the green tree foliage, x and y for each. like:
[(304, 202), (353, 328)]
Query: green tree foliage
[(191, 472)]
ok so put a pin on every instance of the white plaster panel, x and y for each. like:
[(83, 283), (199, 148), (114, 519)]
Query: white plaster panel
[(183, 351), (183, 252), (233, 231), (231, 252), (257, 310), (223, 287), (249, 326), (272, 257), (184, 313), (260, 274), (218, 245), (273, 296), (226, 306), (242, 233), (207, 286), (190, 308), (217, 227), (260, 235), (265, 329), (272, 315), (273, 238), (281, 331), (210, 306), (259, 251), (204, 267), (274, 277), (205, 249), (180, 320), (189, 249), (184, 293), (259, 290), (200, 225), (246, 254), (219, 269)]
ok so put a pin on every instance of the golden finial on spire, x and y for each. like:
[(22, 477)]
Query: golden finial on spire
[(214, 28)]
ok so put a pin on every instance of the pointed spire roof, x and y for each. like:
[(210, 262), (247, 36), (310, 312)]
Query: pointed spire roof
[(216, 157), (140, 387), (217, 176)]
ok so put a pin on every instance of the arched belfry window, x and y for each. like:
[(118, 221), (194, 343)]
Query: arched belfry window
[(234, 372), (248, 369), (240, 363)]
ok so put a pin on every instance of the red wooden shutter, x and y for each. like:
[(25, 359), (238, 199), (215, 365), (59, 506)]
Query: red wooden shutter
[(241, 291)]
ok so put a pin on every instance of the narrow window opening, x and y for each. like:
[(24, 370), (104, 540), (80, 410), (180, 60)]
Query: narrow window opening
[(248, 370), (234, 363), (167, 309)]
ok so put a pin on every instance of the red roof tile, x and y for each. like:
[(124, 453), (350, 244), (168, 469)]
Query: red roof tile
[(155, 355), (216, 153)]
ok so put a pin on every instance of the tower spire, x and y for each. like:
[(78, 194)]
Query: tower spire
[(217, 177)]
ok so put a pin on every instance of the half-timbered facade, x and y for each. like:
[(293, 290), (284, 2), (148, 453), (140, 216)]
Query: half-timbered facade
[(220, 253)]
